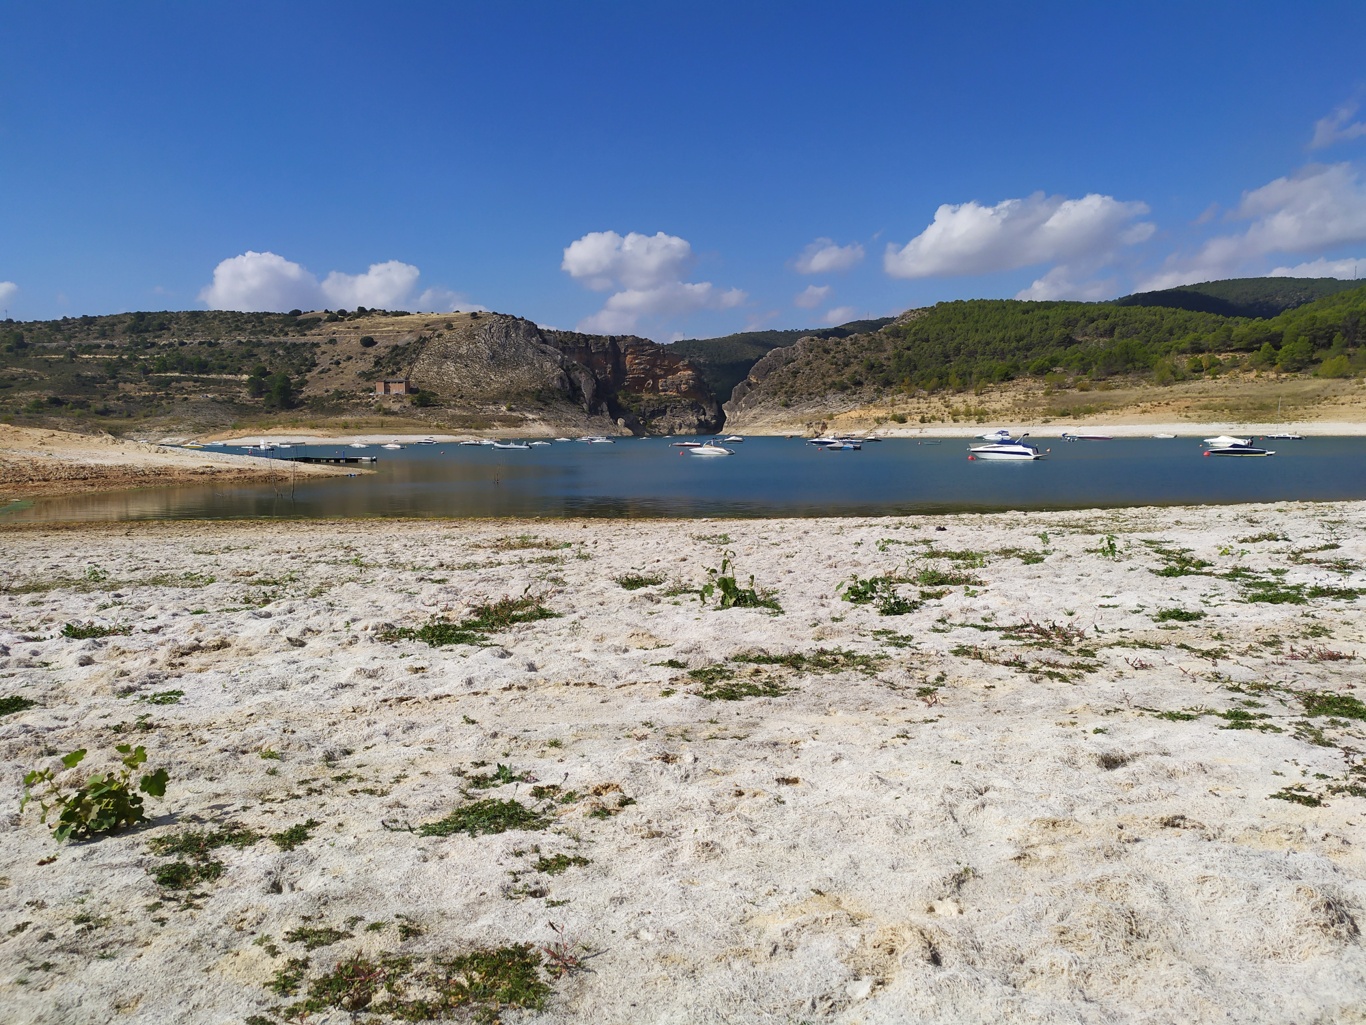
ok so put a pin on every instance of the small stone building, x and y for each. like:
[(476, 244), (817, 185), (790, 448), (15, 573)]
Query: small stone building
[(399, 386)]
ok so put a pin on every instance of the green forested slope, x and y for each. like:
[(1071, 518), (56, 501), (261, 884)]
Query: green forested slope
[(978, 342), (1242, 297)]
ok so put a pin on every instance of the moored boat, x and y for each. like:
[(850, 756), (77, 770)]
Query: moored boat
[(1016, 449)]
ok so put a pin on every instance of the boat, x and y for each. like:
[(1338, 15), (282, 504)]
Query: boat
[(429, 440), (539, 444), (1284, 437), (1239, 449), (1164, 435), (1086, 436), (732, 439), (1224, 440), (472, 443), (561, 439), (510, 444), (1000, 435), (392, 446), (359, 444), (709, 449), (685, 444), (1016, 449), (843, 445)]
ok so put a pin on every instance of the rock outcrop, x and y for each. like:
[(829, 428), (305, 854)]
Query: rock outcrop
[(494, 358)]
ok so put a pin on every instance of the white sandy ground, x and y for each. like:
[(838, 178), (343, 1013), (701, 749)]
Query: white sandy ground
[(865, 848), (35, 461)]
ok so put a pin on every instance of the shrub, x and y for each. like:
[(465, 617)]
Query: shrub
[(103, 804), (367, 342)]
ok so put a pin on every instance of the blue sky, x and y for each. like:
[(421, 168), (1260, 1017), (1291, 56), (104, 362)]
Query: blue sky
[(669, 169)]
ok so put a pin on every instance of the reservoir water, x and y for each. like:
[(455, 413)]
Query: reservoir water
[(765, 477)]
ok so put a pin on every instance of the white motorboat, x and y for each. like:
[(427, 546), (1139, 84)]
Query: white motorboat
[(732, 439), (429, 440), (510, 444), (561, 439), (1284, 437), (685, 444), (359, 444), (539, 444), (1164, 435), (1240, 449), (1086, 436), (1016, 449), (1001, 436), (392, 446), (843, 445), (709, 449), (1225, 440)]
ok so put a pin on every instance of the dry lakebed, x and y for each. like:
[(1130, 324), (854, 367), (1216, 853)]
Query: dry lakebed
[(1045, 767)]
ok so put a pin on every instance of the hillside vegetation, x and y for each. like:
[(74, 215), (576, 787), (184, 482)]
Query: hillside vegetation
[(725, 362), (977, 345), (199, 371)]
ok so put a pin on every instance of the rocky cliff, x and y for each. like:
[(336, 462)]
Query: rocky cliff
[(494, 358)]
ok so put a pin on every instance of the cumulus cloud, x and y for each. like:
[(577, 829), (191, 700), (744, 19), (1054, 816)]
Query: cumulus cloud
[(443, 300), (8, 290), (1318, 207), (1322, 268), (824, 257), (1062, 282), (1337, 127), (647, 273), (969, 238), (811, 296), (840, 315), (603, 260), (261, 281), (267, 281), (383, 285)]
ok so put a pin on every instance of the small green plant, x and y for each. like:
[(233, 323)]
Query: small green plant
[(313, 937), (558, 863), (13, 703), (163, 697), (294, 836), (635, 581), (1108, 547), (269, 754), (487, 618), (489, 815), (1178, 616), (880, 592), (1341, 706), (931, 576), (503, 774), (105, 803), (84, 631), (729, 594)]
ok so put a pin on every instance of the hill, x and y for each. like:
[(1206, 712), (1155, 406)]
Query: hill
[(1242, 297), (725, 362), (977, 346), (200, 371)]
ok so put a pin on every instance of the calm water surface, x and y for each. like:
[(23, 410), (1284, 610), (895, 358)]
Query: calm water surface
[(766, 477)]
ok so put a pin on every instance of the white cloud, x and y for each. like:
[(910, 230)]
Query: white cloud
[(811, 296), (824, 257), (604, 260), (1318, 207), (623, 310), (384, 285), (1322, 268), (268, 282), (261, 281), (969, 238), (8, 290), (1062, 283), (647, 272), (840, 315), (1337, 127), (443, 300)]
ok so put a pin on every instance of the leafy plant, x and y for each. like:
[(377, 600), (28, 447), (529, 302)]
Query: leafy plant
[(487, 618), (635, 581), (1178, 616), (105, 803), (13, 703), (878, 591), (729, 594), (85, 631), (489, 815), (296, 835)]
